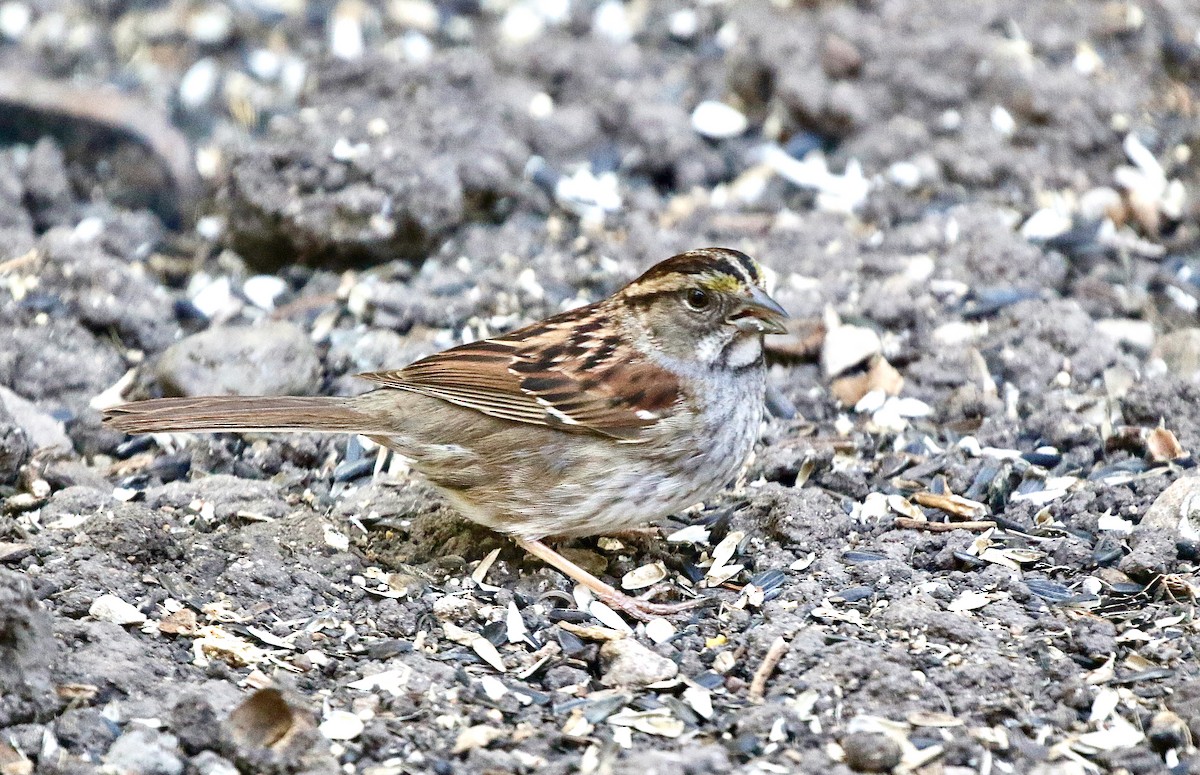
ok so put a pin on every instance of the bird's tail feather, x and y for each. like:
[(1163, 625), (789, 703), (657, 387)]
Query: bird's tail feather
[(240, 413)]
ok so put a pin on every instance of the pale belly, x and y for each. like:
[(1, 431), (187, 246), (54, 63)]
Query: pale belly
[(582, 485)]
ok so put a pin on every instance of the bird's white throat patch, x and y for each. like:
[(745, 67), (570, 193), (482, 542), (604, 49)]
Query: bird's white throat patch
[(744, 350)]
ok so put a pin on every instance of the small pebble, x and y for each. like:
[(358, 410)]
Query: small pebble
[(611, 21), (262, 290), (659, 630), (144, 750), (110, 608), (1002, 121), (683, 24), (718, 121), (341, 725), (199, 84), (870, 752), (629, 663), (14, 20)]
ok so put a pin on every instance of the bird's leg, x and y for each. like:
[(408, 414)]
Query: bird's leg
[(639, 609)]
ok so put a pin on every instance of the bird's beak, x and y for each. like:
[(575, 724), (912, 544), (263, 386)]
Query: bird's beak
[(759, 313)]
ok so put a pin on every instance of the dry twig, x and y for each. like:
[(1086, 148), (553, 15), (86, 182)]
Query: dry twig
[(758, 684), (909, 523)]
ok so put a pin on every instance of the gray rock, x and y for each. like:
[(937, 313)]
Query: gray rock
[(209, 763), (58, 363), (145, 751), (16, 226), (26, 650), (14, 446), (227, 494), (1174, 516), (629, 663), (47, 187), (1176, 509), (272, 359), (85, 731), (870, 752), (105, 292), (41, 431)]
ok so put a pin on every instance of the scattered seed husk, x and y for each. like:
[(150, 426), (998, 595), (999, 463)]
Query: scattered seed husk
[(515, 628), (969, 600), (1118, 735), (692, 534), (13, 762), (905, 508), (215, 642), (1163, 447), (479, 644), (931, 718), (999, 557), (478, 736), (270, 638), (337, 540), (803, 562), (341, 725), (394, 682), (644, 576), (592, 632), (753, 595), (724, 662), (915, 758), (699, 699), (658, 721), (602, 704), (717, 576), (725, 550), (481, 570), (1103, 705), (577, 726), (608, 617), (845, 347), (492, 687), (952, 504), (110, 608)]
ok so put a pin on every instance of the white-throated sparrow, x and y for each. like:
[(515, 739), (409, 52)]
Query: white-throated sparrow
[(589, 422)]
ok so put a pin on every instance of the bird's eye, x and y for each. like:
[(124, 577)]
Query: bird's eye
[(698, 299)]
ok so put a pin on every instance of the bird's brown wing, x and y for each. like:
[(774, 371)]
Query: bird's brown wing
[(568, 372)]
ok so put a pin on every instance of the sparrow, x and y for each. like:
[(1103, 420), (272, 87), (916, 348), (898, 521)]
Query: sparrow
[(593, 421)]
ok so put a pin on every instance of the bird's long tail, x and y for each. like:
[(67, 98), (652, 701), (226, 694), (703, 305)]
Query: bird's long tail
[(240, 413)]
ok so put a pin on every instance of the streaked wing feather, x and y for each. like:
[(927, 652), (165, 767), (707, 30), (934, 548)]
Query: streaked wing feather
[(554, 373)]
